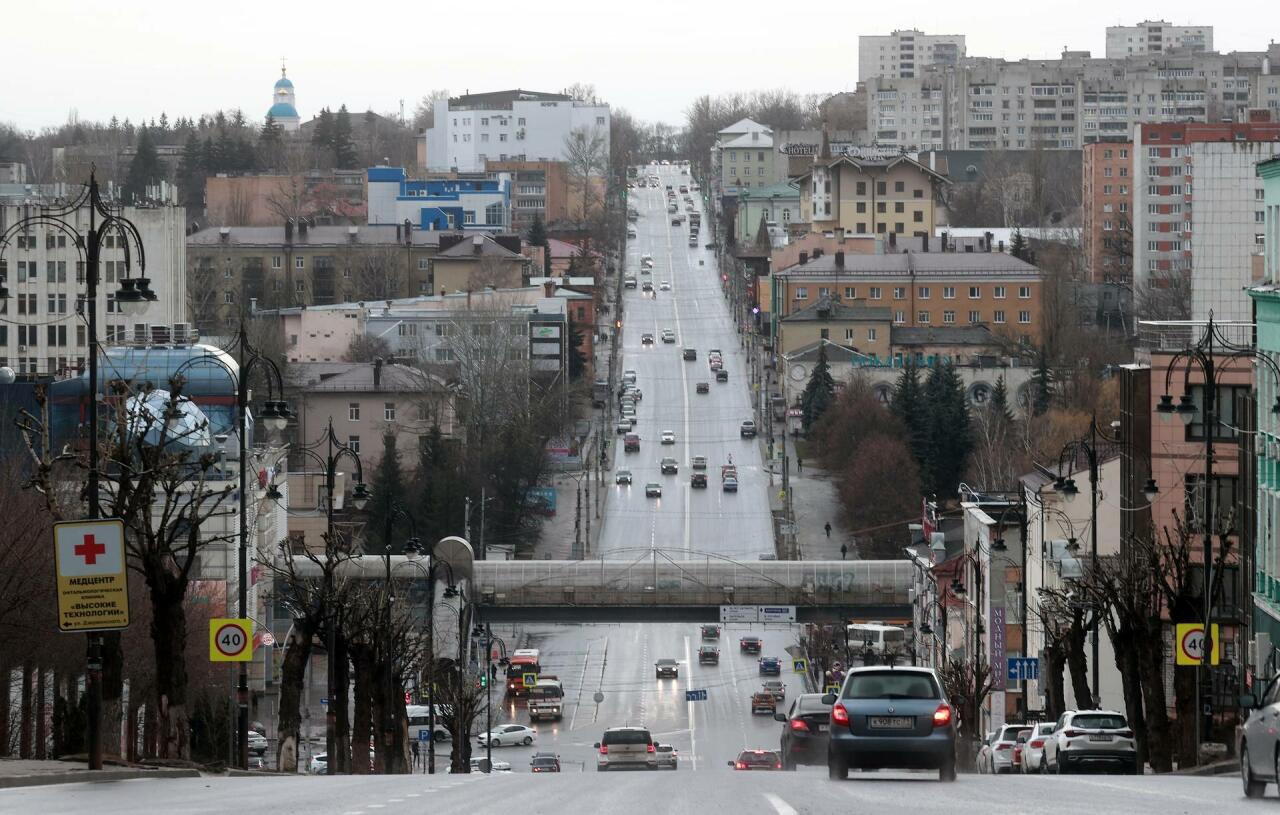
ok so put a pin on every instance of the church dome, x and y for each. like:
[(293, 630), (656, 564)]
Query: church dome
[(283, 82), (283, 110)]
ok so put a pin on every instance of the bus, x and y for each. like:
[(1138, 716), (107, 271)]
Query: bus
[(878, 637), (420, 719), (524, 661)]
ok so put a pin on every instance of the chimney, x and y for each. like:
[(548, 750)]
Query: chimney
[(1002, 247), (408, 232), (377, 373), (288, 230), (353, 233), (804, 258), (839, 260), (943, 246), (893, 240), (477, 244), (224, 234), (989, 237), (924, 242), (549, 288)]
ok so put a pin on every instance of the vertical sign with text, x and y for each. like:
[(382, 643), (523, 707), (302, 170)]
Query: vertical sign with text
[(997, 649)]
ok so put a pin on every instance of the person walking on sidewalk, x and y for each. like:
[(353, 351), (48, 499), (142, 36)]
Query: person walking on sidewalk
[(844, 550), (799, 464), (828, 529)]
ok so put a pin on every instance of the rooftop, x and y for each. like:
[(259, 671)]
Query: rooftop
[(978, 335), (502, 100), (756, 138), (359, 377), (994, 264), (486, 245), (828, 309), (314, 236)]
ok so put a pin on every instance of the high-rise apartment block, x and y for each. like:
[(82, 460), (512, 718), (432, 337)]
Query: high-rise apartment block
[(906, 53), (1107, 209), (1156, 37)]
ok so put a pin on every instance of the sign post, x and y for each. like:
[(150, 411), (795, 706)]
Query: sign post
[(230, 640), (93, 585)]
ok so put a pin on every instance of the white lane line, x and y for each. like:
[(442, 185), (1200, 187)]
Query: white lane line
[(582, 685), (779, 806), (693, 728)]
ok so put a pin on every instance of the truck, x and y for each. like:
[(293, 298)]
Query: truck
[(546, 699)]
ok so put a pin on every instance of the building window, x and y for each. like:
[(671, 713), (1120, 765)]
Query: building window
[(881, 187), (1224, 406), (848, 334), (899, 207), (802, 293), (899, 186), (850, 293), (998, 317), (871, 335), (924, 292), (999, 292), (354, 443), (974, 317), (975, 292), (862, 206), (899, 293), (389, 411), (922, 316), (862, 188), (917, 217), (1024, 317), (1024, 292), (276, 261), (299, 263), (948, 317), (899, 317), (353, 412), (875, 292)]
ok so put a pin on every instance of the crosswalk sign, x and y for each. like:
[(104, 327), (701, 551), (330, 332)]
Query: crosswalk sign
[(832, 689), (800, 665)]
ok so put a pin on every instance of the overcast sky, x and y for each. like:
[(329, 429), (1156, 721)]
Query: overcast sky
[(135, 59)]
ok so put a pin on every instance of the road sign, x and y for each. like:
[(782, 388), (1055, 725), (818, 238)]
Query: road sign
[(800, 665), (695, 696), (229, 640), (739, 614), (1190, 644), (777, 614), (598, 697), (831, 689), (424, 735), (1021, 669), (93, 585), (530, 680)]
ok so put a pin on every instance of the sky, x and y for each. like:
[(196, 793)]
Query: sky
[(135, 58)]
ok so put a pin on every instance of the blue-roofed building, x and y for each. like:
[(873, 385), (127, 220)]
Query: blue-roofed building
[(284, 104), (480, 203)]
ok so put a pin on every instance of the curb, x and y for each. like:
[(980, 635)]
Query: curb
[(237, 773), (1227, 767), (92, 776)]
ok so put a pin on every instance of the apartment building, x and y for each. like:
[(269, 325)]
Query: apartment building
[(1156, 37), (921, 289), (1107, 211), (904, 53), (870, 195), (726, 181), (539, 190), (471, 204), (43, 333), (1198, 210), (324, 196), (512, 125)]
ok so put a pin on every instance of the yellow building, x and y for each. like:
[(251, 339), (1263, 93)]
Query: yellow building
[(858, 326), (869, 196)]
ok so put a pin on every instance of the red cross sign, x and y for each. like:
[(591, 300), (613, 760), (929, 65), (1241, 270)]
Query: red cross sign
[(89, 550)]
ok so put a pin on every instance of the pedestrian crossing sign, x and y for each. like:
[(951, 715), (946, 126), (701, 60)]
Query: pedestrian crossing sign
[(833, 689), (530, 680), (800, 665)]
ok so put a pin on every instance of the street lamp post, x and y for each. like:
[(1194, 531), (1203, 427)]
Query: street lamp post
[(488, 699), (394, 511), (414, 551), (133, 297), (1202, 356), (335, 451)]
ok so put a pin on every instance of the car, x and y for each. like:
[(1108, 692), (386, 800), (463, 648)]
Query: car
[(762, 702), (629, 282), (1002, 746), (710, 632), (712, 245), (677, 221), (669, 466), (631, 443), (698, 462), (626, 425), (770, 666), (319, 764), (757, 760), (668, 336), (646, 286), (667, 756), (632, 392), (646, 271), (684, 188), (1256, 738), (477, 765), (715, 363), (698, 481), (631, 233), (690, 354), (749, 645), (668, 437), (626, 748), (748, 429), (629, 376), (777, 688), (508, 735), (1019, 748), (714, 352), (622, 477), (646, 339), (1033, 753), (702, 387), (729, 483), (653, 490), (665, 285), (891, 717), (808, 724), (708, 655), (983, 760), (257, 744), (667, 669), (629, 412), (544, 763), (646, 260), (1092, 739), (722, 375)]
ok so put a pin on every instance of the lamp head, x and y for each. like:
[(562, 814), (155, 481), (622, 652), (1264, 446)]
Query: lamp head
[(1165, 408), (129, 299), (273, 492), (1068, 489), (360, 496), (1186, 408), (999, 545), (275, 415), (1150, 490)]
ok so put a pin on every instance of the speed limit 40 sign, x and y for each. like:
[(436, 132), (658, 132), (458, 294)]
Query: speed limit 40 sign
[(230, 640)]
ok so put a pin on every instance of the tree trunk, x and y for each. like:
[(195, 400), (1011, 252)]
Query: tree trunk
[(59, 714), (131, 730), (293, 672), (399, 763), (1078, 664), (42, 732), (341, 706), (6, 689), (1056, 686), (1151, 669), (24, 727), (169, 638), (1184, 696), (362, 714), (149, 732), (1124, 644), (112, 691)]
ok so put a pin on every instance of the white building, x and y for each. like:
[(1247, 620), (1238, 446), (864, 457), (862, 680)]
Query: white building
[(510, 125), (44, 272), (1156, 37), (905, 53)]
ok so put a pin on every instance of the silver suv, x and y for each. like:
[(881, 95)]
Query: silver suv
[(1091, 739), (626, 748)]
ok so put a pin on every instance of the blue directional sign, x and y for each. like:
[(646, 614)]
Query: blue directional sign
[(695, 696), (424, 735), (1022, 669)]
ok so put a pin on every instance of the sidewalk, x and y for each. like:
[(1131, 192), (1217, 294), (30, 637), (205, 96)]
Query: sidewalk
[(33, 773), (556, 539), (816, 503)]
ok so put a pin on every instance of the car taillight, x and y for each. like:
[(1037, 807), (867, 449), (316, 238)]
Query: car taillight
[(1125, 734), (739, 765), (1038, 743), (1073, 734), (604, 749), (800, 726), (839, 715), (942, 716), (651, 750), (778, 766)]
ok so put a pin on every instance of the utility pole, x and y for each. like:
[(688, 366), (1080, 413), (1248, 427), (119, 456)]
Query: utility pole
[(466, 520), (484, 550)]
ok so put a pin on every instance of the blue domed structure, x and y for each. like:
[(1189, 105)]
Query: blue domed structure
[(283, 108)]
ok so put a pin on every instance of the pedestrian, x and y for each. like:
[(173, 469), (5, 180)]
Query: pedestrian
[(414, 747), (844, 550), (799, 464), (828, 528)]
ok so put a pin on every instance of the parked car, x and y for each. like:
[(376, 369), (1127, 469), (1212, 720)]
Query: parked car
[(1033, 753), (757, 760), (982, 762), (667, 756), (1019, 747), (1001, 755), (1091, 739), (629, 282), (1257, 740), (319, 764), (804, 739), (895, 717), (257, 744)]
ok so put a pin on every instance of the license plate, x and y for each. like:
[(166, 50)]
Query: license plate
[(1100, 737), (895, 722), (822, 728)]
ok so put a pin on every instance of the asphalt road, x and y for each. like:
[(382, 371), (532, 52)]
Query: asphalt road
[(684, 521)]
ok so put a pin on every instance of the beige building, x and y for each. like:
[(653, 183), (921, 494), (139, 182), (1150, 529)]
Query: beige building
[(329, 196), (853, 325), (868, 196), (480, 262)]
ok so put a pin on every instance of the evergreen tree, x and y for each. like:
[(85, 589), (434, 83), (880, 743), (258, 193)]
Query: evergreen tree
[(908, 405), (947, 433), (538, 237), (389, 493), (820, 393), (144, 170), (999, 404), (577, 360), (1018, 245), (191, 175), (322, 136), (164, 122), (344, 149), (1041, 384), (209, 156), (271, 131), (437, 493)]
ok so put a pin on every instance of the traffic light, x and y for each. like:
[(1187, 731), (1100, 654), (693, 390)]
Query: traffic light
[(482, 682), (617, 324)]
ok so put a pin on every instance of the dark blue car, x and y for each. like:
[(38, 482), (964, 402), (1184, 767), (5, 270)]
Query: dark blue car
[(770, 666)]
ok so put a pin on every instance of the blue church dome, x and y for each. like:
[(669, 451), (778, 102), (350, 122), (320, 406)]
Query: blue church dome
[(283, 110), (283, 82)]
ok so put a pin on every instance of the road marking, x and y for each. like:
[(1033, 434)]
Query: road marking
[(693, 732), (779, 806), (582, 686)]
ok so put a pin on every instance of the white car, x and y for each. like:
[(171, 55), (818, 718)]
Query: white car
[(1002, 748), (497, 767), (508, 735), (668, 437), (257, 744), (319, 764), (1090, 739), (1033, 750), (664, 286)]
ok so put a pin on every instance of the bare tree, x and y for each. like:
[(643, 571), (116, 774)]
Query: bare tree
[(1163, 295), (582, 92), (378, 273), (587, 157), (424, 115)]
